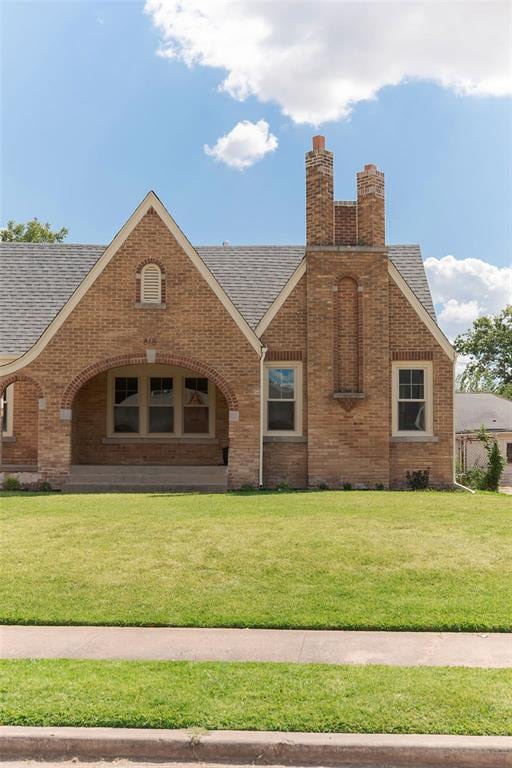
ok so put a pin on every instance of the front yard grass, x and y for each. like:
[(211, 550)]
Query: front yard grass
[(353, 560), (285, 697)]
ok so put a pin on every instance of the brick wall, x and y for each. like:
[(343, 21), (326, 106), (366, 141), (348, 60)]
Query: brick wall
[(285, 339), (348, 445), (23, 449), (345, 222), (408, 333)]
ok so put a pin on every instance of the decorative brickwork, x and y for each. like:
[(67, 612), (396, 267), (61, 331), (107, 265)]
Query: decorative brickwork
[(282, 355), (162, 359), (348, 334), (7, 380)]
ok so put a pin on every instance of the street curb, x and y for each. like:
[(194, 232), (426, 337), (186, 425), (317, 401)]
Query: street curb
[(256, 747)]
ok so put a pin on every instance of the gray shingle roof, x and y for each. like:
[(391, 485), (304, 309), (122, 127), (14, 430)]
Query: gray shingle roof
[(407, 259), (472, 409), (36, 279)]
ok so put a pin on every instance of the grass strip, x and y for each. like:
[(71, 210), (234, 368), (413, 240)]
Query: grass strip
[(286, 697)]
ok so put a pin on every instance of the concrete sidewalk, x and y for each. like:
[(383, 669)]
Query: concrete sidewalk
[(294, 645)]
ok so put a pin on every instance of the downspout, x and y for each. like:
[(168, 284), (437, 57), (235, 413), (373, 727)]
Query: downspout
[(262, 412)]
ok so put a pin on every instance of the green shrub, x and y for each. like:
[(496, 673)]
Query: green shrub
[(379, 487), (418, 479), (495, 462), (11, 483), (473, 478), (347, 486)]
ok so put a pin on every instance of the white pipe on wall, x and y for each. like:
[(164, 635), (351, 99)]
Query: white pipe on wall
[(262, 411)]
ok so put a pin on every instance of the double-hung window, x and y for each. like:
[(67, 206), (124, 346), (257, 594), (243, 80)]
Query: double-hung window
[(283, 399), (412, 399)]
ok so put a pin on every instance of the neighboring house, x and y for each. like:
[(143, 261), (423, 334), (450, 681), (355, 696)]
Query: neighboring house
[(155, 362), (474, 410)]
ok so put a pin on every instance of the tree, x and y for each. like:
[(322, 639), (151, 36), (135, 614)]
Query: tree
[(489, 347), (31, 232)]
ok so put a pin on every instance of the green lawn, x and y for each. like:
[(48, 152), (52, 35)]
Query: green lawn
[(372, 560), (283, 697)]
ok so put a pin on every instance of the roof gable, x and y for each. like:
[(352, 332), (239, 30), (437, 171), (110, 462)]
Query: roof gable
[(151, 201)]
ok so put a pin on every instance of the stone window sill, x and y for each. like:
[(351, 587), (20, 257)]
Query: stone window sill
[(140, 305), (414, 439), (160, 441), (284, 439), (348, 395)]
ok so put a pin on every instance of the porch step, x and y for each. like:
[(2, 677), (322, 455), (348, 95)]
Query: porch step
[(142, 479)]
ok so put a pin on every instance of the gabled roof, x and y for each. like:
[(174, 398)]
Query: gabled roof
[(36, 280), (472, 409)]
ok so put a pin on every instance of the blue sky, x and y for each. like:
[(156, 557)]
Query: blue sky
[(93, 118)]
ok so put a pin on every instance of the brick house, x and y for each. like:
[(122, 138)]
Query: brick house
[(154, 363)]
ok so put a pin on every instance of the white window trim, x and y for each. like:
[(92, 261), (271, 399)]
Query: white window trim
[(143, 373), (427, 368), (297, 432), (9, 400)]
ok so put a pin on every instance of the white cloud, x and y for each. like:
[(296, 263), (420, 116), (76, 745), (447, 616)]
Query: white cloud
[(316, 58), (244, 145), (464, 289)]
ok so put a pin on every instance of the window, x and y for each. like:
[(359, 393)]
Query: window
[(161, 404), (412, 399), (195, 406), (509, 453), (151, 284), (159, 401), (126, 404), (7, 413), (283, 400)]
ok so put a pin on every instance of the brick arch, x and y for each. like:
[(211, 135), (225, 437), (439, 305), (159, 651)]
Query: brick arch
[(180, 361), (144, 263), (14, 377)]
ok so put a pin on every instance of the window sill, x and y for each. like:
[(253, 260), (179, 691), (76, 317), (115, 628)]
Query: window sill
[(414, 439), (160, 440), (6, 439), (141, 305), (348, 395), (284, 439)]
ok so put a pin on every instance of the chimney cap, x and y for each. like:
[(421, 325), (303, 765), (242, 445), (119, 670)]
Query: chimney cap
[(318, 142)]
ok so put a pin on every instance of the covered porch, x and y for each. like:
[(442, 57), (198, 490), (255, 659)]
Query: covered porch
[(149, 427)]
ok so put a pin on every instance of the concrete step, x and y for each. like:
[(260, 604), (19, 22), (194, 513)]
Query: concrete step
[(114, 487), (141, 478)]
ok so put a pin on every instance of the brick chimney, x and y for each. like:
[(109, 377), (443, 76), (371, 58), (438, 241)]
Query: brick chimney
[(370, 207), (319, 194)]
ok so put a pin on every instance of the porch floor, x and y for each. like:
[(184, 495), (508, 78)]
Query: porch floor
[(143, 478)]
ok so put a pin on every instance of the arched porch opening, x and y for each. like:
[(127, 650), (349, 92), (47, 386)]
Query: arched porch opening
[(21, 398), (159, 424)]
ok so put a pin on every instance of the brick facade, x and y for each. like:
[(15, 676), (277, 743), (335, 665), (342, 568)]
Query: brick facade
[(345, 322)]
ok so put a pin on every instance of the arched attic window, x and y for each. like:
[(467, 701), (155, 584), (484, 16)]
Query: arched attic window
[(151, 284)]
